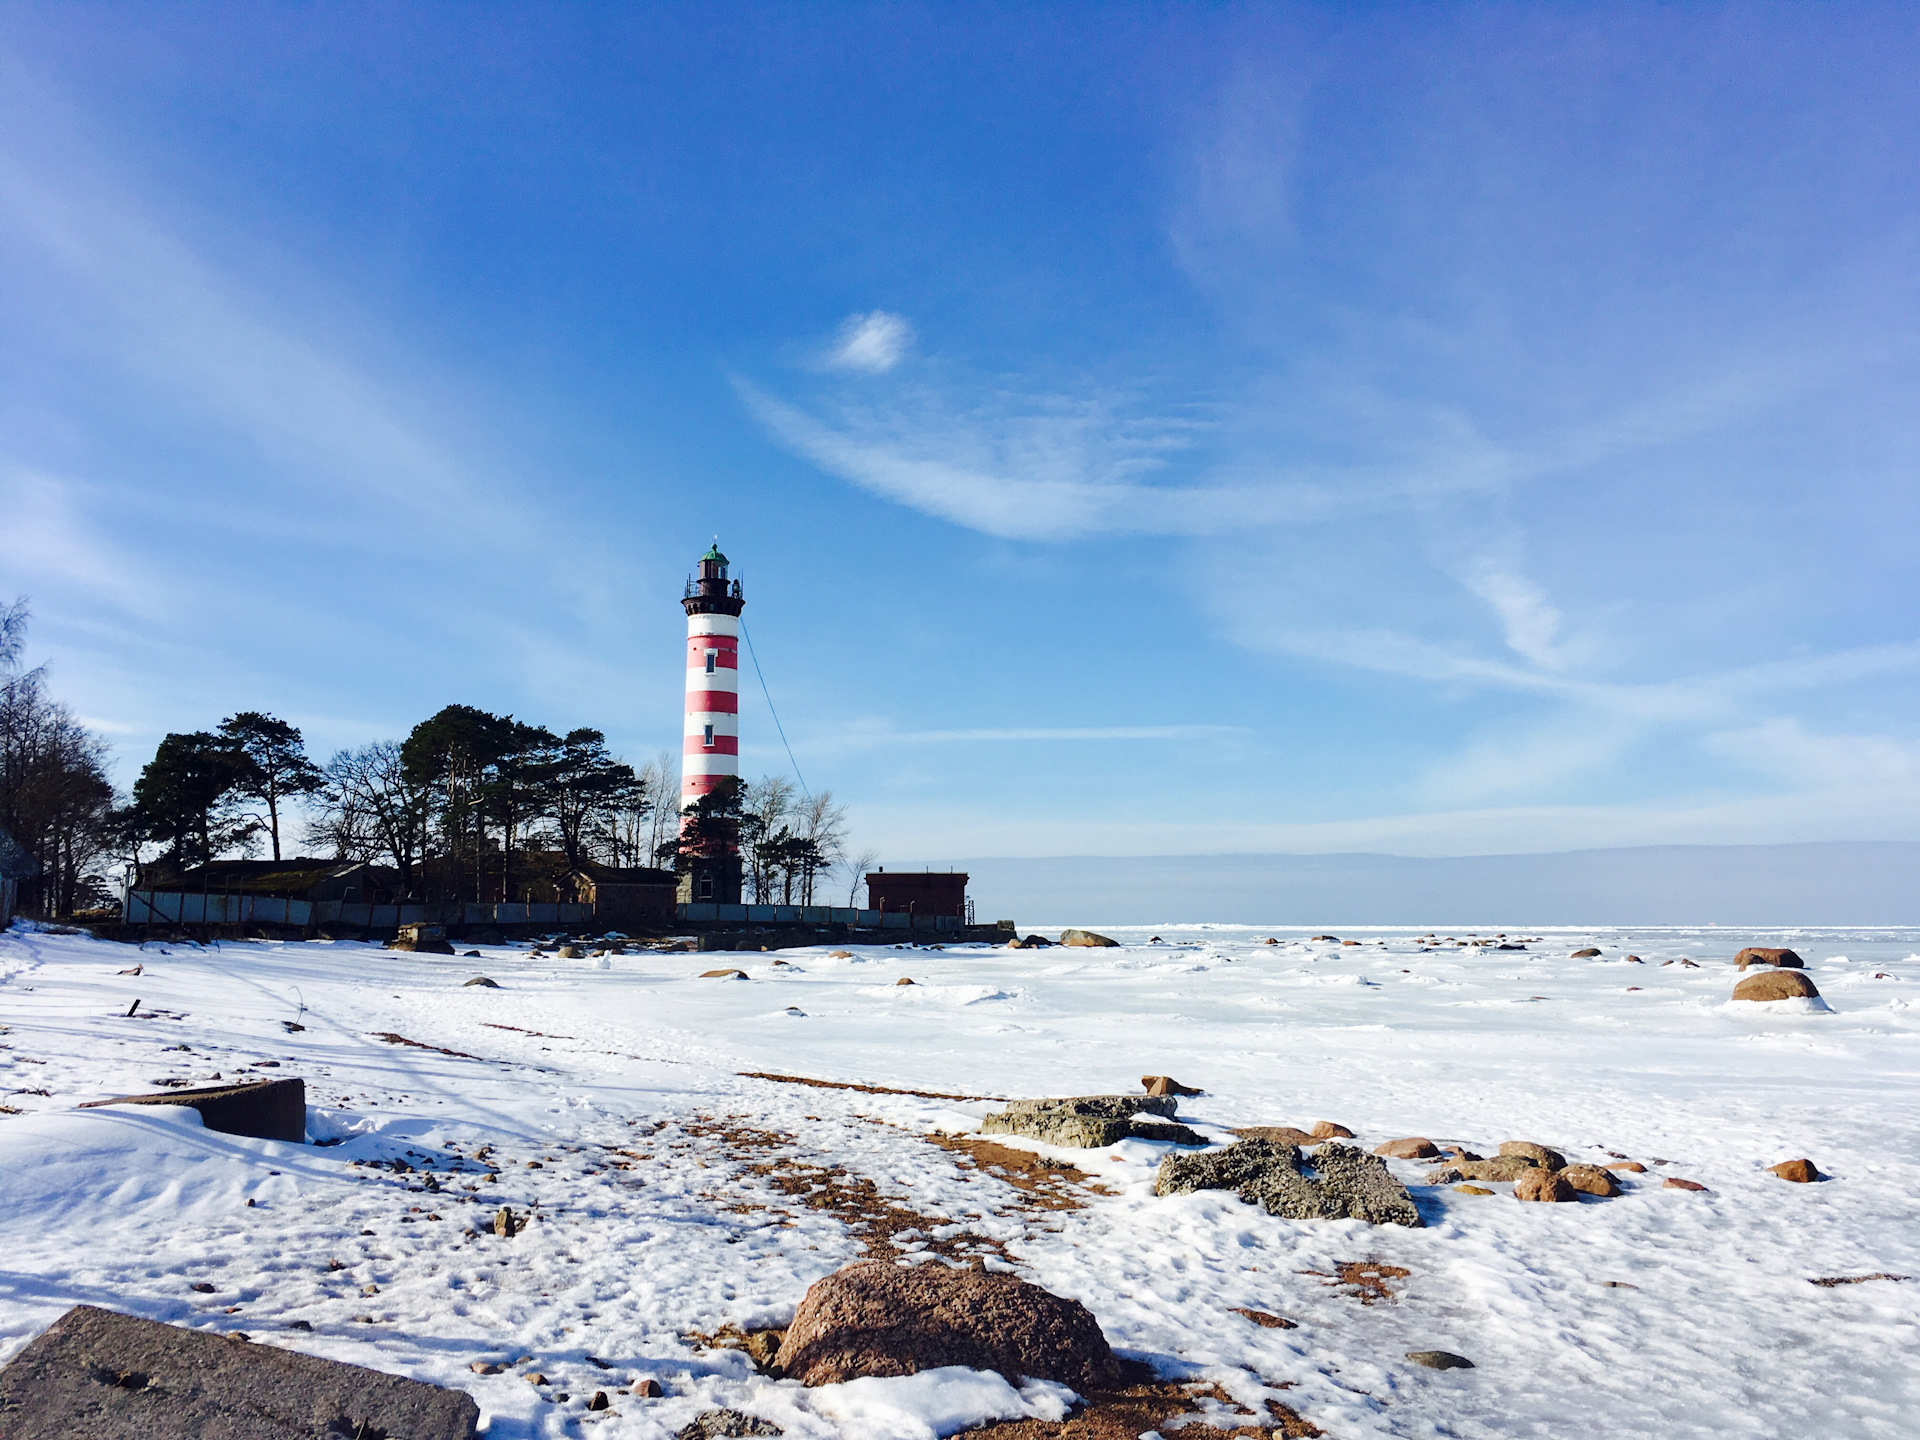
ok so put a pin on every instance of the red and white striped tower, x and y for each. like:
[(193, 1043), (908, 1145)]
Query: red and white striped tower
[(711, 752)]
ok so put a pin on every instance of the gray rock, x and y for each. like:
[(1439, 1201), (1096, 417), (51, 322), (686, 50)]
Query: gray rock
[(484, 981), (1085, 937), (1231, 1168), (1117, 1107), (1366, 1185), (1439, 1360), (107, 1376), (726, 1425), (1347, 1183), (1089, 1121), (1164, 1131)]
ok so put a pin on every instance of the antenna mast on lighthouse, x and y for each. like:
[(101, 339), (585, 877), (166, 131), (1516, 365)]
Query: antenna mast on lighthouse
[(711, 755)]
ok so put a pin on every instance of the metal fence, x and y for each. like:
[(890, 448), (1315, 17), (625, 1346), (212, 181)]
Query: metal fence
[(819, 915), (168, 907)]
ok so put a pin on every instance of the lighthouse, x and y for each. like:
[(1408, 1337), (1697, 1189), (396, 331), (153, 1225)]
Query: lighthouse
[(711, 754)]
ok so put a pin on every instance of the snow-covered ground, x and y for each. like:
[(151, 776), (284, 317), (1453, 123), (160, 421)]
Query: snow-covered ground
[(659, 1169)]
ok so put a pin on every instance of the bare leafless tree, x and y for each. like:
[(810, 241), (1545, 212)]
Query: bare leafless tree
[(855, 868), (373, 808), (55, 799)]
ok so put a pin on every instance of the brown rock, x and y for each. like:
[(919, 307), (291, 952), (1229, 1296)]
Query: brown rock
[(1412, 1148), (1085, 937), (1279, 1134), (1674, 1182), (904, 980), (1166, 1085), (1539, 1154), (1631, 1166), (599, 1401), (723, 974), (505, 1225), (486, 1367), (1757, 955), (1334, 938), (1801, 1172), (1473, 1190), (1327, 1130), (1504, 1167), (1264, 1320), (1590, 1180), (1775, 985), (1586, 954), (1542, 1185), (647, 1389), (1349, 942), (877, 1318)]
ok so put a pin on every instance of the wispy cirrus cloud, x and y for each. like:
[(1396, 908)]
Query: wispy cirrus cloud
[(874, 343)]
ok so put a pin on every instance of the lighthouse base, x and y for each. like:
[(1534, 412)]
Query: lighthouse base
[(711, 881)]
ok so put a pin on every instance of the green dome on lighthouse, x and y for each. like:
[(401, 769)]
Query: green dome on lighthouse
[(713, 553)]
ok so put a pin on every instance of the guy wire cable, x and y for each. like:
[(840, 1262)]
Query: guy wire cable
[(754, 656)]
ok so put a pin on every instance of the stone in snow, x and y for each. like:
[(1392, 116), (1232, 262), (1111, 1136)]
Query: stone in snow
[(1801, 1172), (1760, 955), (1541, 1155), (1085, 937), (1542, 1185), (1415, 1147), (1439, 1360), (877, 1318), (1776, 985)]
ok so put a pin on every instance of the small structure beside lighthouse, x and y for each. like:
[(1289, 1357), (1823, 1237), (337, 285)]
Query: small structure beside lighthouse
[(710, 757)]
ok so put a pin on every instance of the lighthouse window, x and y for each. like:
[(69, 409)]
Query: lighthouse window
[(713, 658), (709, 735)]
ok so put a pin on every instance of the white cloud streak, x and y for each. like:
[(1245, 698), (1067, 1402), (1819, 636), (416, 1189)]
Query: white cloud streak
[(873, 343)]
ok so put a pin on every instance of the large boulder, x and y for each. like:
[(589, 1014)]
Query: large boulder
[(1591, 1180), (1086, 1122), (1546, 1185), (263, 1109), (1776, 985), (1800, 1172), (107, 1376), (878, 1318), (1415, 1147), (1759, 955), (1279, 1134), (1084, 937), (1506, 1167), (1346, 1183), (1541, 1155)]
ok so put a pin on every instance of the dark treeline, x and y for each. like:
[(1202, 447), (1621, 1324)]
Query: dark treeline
[(55, 798), (469, 806)]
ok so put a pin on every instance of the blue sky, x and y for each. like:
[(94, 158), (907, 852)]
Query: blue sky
[(1140, 429)]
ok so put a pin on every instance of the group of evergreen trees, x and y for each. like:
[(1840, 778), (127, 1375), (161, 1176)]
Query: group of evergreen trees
[(469, 806)]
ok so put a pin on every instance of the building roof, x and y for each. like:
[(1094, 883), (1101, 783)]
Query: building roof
[(617, 875), (264, 877)]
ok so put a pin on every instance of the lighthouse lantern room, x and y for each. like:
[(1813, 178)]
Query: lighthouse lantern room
[(711, 753)]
